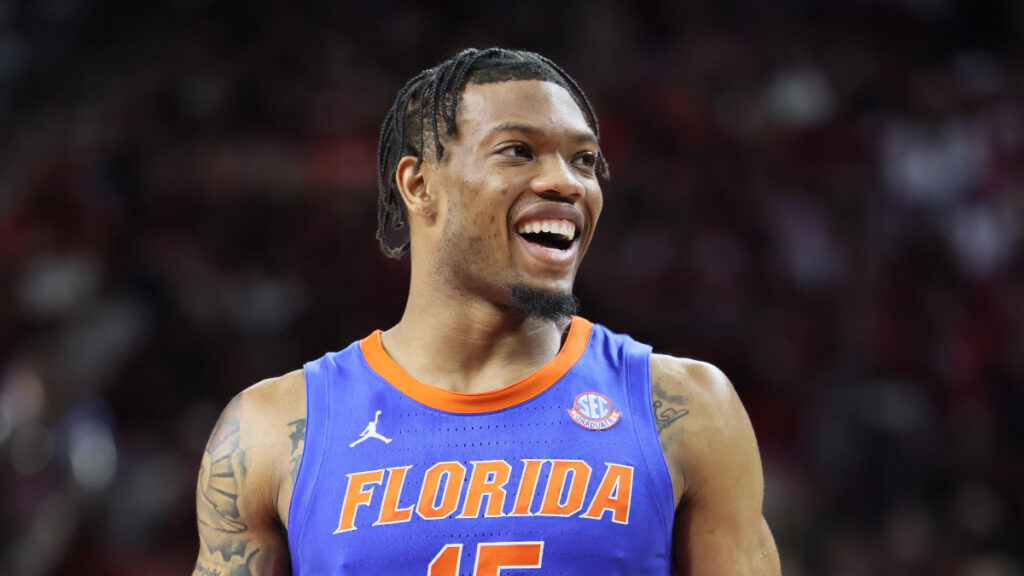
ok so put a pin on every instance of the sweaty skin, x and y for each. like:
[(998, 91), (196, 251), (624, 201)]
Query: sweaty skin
[(522, 148)]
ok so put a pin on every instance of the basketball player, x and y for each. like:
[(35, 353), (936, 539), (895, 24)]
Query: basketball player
[(491, 431)]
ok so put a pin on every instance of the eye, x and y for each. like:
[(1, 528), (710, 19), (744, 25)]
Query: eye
[(586, 160), (518, 149)]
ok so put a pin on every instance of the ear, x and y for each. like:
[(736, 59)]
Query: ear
[(413, 186)]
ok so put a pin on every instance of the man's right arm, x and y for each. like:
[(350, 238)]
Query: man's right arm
[(239, 532)]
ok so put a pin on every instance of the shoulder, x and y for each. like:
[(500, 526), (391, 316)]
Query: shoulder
[(683, 375), (702, 424), (274, 397), (256, 430), (685, 387), (267, 405)]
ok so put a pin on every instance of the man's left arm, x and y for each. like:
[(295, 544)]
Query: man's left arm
[(710, 446)]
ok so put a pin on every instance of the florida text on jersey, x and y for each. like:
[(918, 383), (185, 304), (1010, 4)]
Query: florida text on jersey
[(560, 472)]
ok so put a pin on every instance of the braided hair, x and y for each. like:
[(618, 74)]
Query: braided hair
[(424, 113)]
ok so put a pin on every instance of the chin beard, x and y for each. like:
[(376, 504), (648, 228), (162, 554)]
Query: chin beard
[(548, 305)]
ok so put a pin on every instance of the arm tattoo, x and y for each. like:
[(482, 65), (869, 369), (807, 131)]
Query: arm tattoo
[(245, 569), (222, 529), (298, 438), (204, 571), (222, 471), (230, 548), (664, 414)]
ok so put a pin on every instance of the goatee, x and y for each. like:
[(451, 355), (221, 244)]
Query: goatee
[(547, 305)]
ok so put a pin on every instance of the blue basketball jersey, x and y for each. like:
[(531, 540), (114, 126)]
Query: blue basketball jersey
[(558, 474)]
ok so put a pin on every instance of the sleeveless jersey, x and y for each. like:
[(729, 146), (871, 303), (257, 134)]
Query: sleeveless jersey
[(558, 474)]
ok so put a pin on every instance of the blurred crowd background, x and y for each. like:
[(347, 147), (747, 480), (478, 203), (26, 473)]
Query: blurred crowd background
[(823, 197)]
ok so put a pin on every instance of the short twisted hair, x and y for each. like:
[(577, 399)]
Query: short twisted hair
[(424, 114)]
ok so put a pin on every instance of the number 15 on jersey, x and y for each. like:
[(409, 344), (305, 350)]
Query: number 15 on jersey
[(491, 558)]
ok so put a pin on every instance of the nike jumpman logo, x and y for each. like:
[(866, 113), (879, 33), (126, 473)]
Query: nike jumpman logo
[(371, 432)]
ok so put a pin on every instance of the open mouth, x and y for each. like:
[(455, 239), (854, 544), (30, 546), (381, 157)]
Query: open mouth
[(556, 234)]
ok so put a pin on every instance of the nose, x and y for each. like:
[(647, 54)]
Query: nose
[(557, 178)]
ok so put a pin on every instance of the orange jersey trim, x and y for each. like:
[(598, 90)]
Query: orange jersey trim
[(478, 403)]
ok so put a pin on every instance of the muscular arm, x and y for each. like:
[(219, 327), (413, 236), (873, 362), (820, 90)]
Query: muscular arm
[(716, 472), (247, 469)]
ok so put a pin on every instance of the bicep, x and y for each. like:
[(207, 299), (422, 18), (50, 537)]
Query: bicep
[(236, 534), (707, 546), (719, 527)]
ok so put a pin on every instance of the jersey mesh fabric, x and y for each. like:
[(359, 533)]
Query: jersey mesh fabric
[(348, 464)]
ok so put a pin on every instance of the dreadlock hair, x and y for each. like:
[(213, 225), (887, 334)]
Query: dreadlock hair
[(424, 114)]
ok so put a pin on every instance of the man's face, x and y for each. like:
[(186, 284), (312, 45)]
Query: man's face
[(521, 196)]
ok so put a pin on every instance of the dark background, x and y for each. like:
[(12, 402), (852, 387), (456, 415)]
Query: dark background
[(824, 198)]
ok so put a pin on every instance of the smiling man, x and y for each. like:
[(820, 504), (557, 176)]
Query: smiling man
[(491, 431)]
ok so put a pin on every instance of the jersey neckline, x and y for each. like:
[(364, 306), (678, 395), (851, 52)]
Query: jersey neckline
[(477, 403)]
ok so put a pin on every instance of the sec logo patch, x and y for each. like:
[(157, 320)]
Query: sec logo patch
[(594, 411)]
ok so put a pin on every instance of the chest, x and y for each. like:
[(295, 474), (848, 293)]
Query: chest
[(569, 481)]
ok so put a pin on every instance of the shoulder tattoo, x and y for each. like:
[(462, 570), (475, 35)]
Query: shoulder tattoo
[(667, 407), (298, 438)]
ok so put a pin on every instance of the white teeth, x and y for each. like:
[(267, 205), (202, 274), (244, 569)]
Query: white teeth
[(563, 228)]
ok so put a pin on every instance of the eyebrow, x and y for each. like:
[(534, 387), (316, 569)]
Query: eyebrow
[(529, 129)]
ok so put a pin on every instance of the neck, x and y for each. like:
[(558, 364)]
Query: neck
[(467, 344)]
